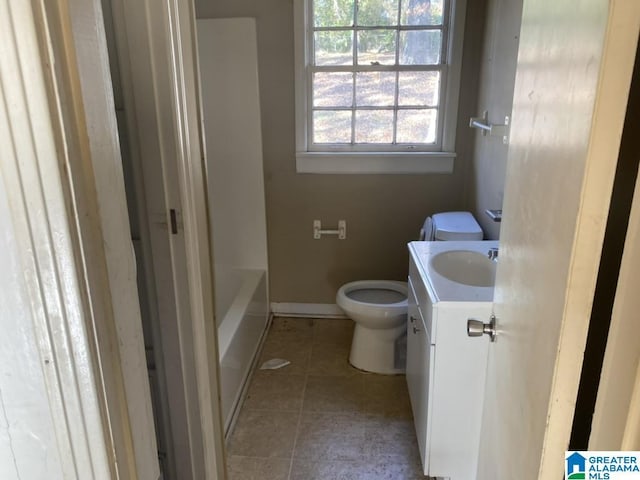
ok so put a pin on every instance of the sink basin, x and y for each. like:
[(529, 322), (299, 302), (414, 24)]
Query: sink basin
[(466, 267)]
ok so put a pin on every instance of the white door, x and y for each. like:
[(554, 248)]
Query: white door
[(574, 69)]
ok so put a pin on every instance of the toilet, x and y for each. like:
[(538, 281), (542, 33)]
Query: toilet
[(379, 307)]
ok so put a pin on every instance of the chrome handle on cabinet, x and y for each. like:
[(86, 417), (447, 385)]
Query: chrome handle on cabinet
[(475, 328), (415, 329)]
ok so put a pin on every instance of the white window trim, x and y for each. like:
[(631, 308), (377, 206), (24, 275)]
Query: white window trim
[(379, 161)]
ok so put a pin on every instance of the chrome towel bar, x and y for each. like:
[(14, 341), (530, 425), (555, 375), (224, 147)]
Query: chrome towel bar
[(491, 129)]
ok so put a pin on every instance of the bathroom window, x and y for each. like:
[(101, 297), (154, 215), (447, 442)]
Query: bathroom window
[(377, 85)]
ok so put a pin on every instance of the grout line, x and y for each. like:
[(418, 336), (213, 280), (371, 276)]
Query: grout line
[(271, 410), (260, 458), (304, 394)]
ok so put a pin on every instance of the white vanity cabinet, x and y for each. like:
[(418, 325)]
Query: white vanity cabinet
[(446, 369), (419, 362)]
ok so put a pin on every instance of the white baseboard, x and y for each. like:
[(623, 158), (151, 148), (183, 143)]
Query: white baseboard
[(316, 310)]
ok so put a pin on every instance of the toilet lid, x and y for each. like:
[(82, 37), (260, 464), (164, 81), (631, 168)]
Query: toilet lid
[(456, 226), (376, 295)]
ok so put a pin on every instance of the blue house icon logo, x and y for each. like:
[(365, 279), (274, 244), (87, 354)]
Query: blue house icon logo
[(576, 466)]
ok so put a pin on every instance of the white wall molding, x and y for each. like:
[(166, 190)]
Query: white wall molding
[(65, 416), (111, 240), (159, 40), (316, 310)]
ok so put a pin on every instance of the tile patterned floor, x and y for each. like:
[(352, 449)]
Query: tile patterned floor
[(319, 418)]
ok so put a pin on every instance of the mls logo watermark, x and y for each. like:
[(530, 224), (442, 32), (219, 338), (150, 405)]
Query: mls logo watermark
[(602, 465), (575, 466)]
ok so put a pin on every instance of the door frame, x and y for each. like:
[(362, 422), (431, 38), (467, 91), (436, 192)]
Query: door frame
[(616, 418), (63, 172), (157, 45), (192, 182), (59, 168)]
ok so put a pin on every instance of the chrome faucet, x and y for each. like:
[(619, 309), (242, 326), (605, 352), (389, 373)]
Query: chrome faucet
[(492, 254)]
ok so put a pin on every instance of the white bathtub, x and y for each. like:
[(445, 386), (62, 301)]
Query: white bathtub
[(235, 184), (242, 312)]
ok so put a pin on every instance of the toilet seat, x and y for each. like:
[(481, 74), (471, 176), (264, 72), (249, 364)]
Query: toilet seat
[(360, 305)]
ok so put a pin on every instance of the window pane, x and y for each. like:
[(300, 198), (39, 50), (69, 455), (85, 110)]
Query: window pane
[(416, 126), (332, 89), (421, 12), (374, 126), (334, 48), (375, 89), (331, 126), (377, 47), (333, 13), (420, 47), (419, 89), (377, 12)]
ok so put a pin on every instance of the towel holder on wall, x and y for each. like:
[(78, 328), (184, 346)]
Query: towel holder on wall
[(341, 231), (491, 129)]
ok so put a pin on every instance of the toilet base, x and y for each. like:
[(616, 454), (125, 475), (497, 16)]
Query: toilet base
[(379, 351)]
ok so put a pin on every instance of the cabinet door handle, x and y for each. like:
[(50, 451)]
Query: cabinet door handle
[(415, 329), (412, 319)]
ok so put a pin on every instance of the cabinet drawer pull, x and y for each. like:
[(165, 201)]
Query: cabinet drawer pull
[(412, 319), (415, 329)]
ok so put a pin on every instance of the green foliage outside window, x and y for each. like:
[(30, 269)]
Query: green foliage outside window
[(370, 13)]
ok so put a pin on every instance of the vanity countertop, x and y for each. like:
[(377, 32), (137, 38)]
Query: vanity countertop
[(440, 288)]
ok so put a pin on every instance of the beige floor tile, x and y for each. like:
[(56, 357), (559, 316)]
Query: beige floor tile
[(334, 394), (353, 470), (392, 439), (284, 329), (264, 434), (253, 468), (331, 359), (387, 396), (387, 469), (326, 437), (270, 391), (333, 470), (336, 331), (297, 352), (352, 426)]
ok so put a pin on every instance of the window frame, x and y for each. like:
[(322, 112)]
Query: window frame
[(401, 158)]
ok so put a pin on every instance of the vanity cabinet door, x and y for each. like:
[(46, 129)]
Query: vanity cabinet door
[(418, 366)]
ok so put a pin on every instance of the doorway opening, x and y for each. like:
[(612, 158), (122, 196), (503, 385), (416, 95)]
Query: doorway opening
[(612, 250)]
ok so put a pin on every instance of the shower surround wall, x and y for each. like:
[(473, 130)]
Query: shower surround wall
[(383, 212), (487, 171), (231, 109)]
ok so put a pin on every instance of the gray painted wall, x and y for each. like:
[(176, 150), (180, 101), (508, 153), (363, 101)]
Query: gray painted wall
[(485, 187), (383, 212)]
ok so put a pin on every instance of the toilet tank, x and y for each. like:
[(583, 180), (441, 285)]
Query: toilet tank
[(456, 226)]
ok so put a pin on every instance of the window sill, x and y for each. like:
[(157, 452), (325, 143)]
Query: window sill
[(374, 162)]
